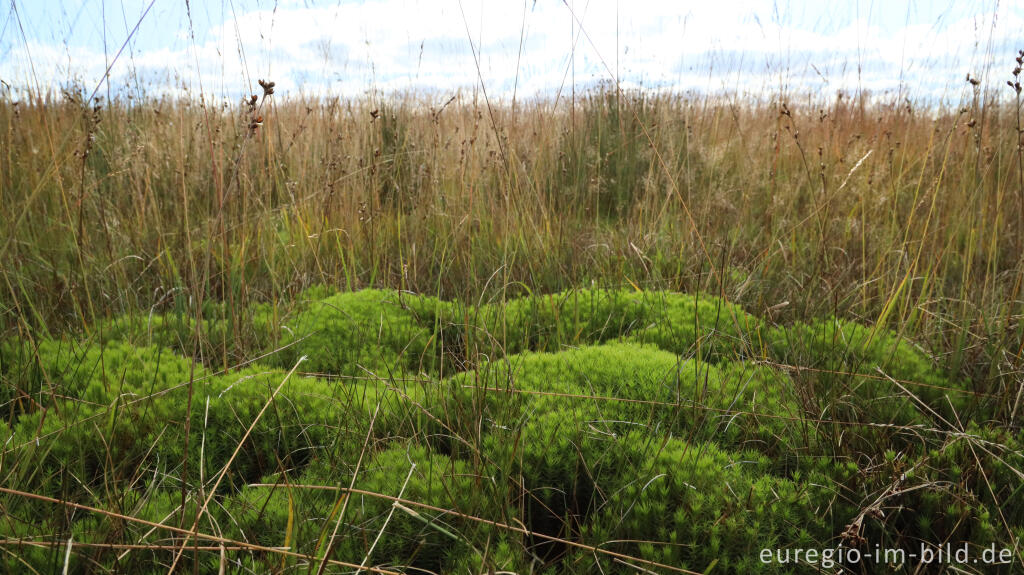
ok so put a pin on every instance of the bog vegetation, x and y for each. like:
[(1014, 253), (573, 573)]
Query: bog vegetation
[(659, 333)]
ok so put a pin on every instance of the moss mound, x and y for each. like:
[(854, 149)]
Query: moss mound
[(373, 333), (665, 428), (858, 374), (637, 385)]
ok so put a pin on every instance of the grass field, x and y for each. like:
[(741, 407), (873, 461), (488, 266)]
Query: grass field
[(631, 333)]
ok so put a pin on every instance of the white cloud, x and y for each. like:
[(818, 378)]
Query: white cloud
[(395, 45)]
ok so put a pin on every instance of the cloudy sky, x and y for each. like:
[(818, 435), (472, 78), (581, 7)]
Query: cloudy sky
[(527, 48)]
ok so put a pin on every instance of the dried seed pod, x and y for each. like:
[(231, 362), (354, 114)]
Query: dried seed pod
[(255, 124)]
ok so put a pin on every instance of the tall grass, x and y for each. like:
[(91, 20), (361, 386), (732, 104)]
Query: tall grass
[(901, 215)]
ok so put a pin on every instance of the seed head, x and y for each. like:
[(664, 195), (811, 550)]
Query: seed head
[(255, 124)]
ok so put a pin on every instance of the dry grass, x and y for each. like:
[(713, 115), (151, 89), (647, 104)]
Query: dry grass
[(909, 216)]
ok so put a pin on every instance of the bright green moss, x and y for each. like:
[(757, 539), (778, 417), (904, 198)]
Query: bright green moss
[(28, 522), (122, 403), (849, 377), (222, 328), (683, 324), (504, 391), (504, 555), (560, 465), (99, 408), (414, 536), (734, 404), (695, 505), (91, 375), (315, 293), (972, 485), (261, 513), (367, 333), (306, 417), (419, 537), (698, 326), (96, 375), (570, 318), (576, 436), (757, 407), (154, 506), (851, 347), (126, 407), (567, 460)]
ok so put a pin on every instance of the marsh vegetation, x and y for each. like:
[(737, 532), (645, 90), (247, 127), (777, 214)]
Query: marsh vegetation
[(652, 333)]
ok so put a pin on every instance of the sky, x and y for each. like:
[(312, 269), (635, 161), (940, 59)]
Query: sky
[(522, 49)]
